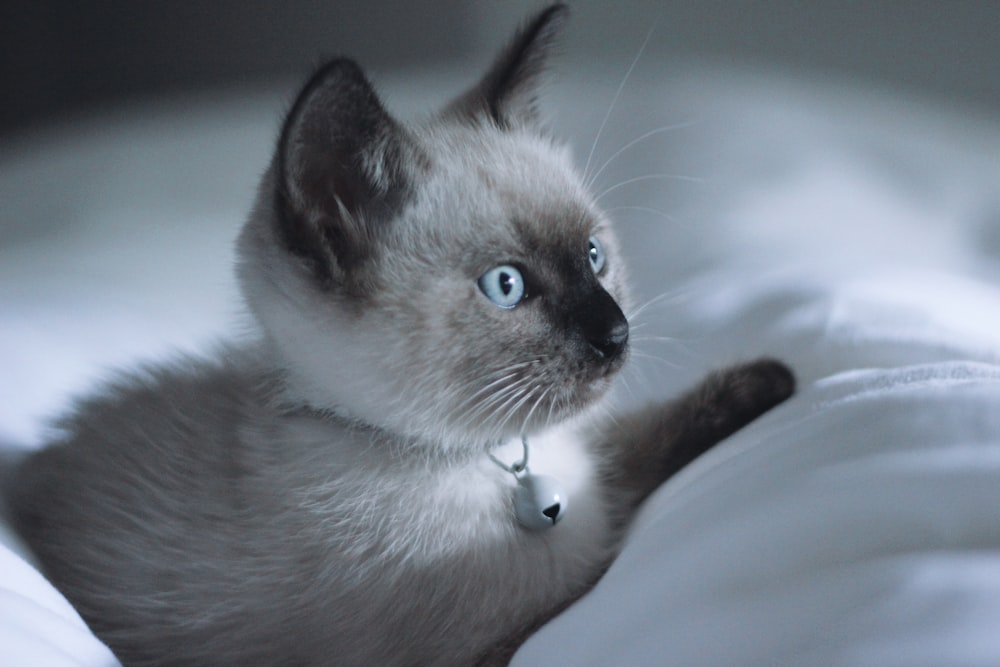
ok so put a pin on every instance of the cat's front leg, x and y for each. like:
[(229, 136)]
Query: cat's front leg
[(643, 449)]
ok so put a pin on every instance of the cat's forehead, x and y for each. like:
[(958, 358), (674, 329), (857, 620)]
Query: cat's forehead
[(519, 182)]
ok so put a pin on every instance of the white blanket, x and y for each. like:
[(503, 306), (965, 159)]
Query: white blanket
[(855, 235)]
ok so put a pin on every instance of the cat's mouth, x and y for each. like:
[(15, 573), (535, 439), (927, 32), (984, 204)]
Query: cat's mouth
[(591, 380), (613, 366), (538, 393), (606, 372)]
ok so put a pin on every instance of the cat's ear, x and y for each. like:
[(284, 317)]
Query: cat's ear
[(341, 170), (508, 94)]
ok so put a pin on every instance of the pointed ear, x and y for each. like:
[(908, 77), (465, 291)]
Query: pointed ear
[(507, 95), (340, 170)]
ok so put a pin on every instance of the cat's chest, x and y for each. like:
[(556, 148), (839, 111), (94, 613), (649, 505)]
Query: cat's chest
[(369, 531), (483, 491), (374, 506)]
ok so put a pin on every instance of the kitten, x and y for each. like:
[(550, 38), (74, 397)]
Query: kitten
[(342, 490)]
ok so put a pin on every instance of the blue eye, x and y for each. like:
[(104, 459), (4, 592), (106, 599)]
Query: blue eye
[(596, 254), (503, 285)]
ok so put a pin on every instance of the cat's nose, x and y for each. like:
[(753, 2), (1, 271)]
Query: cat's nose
[(604, 325), (612, 342), (598, 321)]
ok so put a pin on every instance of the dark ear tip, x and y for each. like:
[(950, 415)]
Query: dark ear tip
[(557, 14), (336, 89), (551, 21), (338, 66), (336, 69)]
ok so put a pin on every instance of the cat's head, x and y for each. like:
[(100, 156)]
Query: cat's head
[(450, 280)]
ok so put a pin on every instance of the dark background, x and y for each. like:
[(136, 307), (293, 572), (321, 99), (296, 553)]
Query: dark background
[(64, 57)]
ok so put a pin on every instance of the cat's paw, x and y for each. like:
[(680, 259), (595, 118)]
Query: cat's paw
[(741, 393), (726, 401), (663, 439)]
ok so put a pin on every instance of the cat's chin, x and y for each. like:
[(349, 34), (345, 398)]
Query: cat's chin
[(566, 405), (452, 436)]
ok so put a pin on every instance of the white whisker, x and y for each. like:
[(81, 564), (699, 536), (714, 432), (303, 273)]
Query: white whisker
[(509, 409), (531, 412), (660, 130), (609, 414), (654, 357), (648, 177), (614, 100), (663, 298), (643, 209), (552, 407), (472, 398), (654, 339), (624, 380), (497, 401)]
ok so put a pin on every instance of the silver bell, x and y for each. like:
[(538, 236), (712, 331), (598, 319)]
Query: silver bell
[(539, 501)]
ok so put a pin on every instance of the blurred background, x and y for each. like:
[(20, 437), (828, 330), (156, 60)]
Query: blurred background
[(63, 57)]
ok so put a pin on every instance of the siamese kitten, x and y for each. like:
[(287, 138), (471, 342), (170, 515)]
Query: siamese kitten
[(342, 489)]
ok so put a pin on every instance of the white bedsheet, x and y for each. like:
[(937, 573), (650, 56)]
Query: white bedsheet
[(855, 235)]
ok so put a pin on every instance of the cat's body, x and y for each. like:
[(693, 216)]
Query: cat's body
[(233, 532), (325, 494)]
